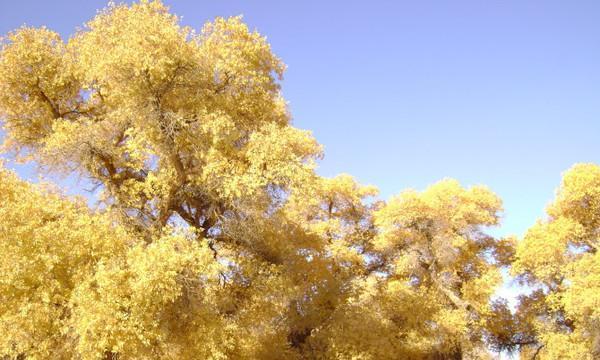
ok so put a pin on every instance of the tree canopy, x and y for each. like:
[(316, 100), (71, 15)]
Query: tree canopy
[(215, 238)]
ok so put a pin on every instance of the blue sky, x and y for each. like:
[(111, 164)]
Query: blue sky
[(404, 93)]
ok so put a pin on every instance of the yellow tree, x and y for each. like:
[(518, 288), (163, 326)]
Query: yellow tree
[(558, 258), (215, 237), (428, 279)]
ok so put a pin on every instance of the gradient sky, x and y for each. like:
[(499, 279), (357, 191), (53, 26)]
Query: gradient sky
[(404, 93)]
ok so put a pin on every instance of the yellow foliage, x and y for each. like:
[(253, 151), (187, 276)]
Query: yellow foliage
[(559, 257)]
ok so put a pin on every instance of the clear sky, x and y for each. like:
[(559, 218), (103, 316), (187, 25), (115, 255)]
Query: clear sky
[(404, 93)]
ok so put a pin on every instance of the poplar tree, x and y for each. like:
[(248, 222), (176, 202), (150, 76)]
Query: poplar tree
[(215, 238)]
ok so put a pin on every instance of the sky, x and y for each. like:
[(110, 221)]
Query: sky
[(404, 93)]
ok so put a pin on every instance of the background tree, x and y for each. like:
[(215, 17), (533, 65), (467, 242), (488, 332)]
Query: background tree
[(429, 282), (215, 238), (558, 258)]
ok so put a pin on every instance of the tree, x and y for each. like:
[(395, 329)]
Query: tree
[(558, 259), (215, 238)]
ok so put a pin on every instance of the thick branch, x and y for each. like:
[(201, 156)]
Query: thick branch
[(47, 100)]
